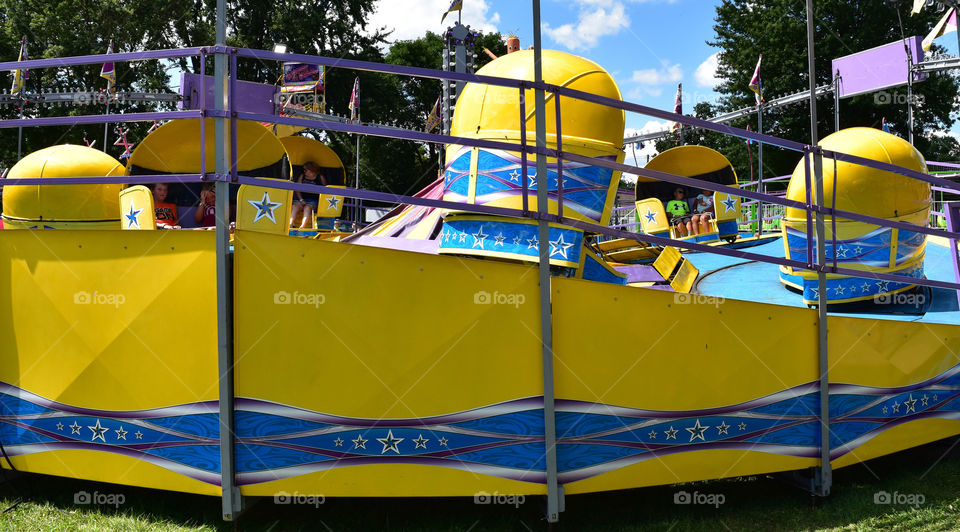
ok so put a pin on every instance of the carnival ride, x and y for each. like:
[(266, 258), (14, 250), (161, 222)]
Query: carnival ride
[(164, 359)]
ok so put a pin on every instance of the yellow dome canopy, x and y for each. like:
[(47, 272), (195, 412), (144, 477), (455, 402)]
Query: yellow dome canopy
[(867, 190), (174, 148), (37, 205), (492, 112), (303, 149)]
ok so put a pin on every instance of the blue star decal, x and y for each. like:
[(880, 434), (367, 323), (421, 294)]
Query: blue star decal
[(729, 204), (133, 217), (332, 203), (559, 246), (651, 216), (265, 208)]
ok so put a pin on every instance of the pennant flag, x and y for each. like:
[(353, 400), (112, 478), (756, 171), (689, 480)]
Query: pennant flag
[(678, 105), (355, 99), (755, 84), (946, 25), (20, 76), (456, 5), (435, 117), (917, 6), (885, 126), (108, 72)]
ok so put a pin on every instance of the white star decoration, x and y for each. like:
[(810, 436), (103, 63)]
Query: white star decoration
[(421, 442), (841, 252), (722, 428), (911, 405), (499, 239), (390, 443), (515, 176), (533, 243), (560, 247), (138, 434), (133, 217), (265, 208), (338, 442), (121, 434), (98, 432), (478, 238), (443, 442), (60, 426), (75, 428), (672, 433), (360, 443), (697, 430), (332, 203), (742, 426)]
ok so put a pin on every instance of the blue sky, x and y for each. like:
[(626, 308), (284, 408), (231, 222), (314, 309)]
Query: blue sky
[(647, 45), (637, 41)]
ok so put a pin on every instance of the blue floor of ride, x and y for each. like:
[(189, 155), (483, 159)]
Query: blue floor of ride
[(734, 278)]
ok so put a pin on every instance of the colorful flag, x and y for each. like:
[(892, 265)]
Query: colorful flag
[(456, 5), (678, 105), (885, 126), (20, 76), (435, 117), (355, 100), (108, 72), (946, 25), (755, 84)]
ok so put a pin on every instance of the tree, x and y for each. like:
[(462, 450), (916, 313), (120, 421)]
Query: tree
[(401, 166), (778, 31)]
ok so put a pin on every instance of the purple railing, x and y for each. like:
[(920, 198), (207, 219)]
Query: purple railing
[(236, 178)]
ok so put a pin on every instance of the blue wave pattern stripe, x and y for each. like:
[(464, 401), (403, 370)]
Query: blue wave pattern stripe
[(504, 439)]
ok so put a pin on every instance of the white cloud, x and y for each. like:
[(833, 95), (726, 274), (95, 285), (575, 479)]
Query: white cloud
[(411, 19), (653, 76), (597, 19), (706, 73)]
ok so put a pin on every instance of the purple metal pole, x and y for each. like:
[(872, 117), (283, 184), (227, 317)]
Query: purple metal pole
[(806, 184), (231, 96), (523, 149), (952, 211), (556, 103), (203, 108)]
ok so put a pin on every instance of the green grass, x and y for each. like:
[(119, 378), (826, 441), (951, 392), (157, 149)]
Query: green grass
[(754, 503)]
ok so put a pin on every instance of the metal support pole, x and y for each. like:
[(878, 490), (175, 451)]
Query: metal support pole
[(232, 503), (559, 135), (106, 125), (20, 131), (836, 102), (824, 474), (909, 93), (523, 150), (356, 185), (760, 186), (554, 494)]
